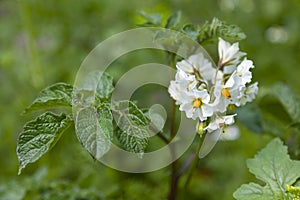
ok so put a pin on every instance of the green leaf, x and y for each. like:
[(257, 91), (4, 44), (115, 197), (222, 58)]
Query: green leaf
[(250, 117), (94, 129), (277, 170), (274, 126), (191, 30), (289, 100), (253, 191), (154, 19), (132, 131), (39, 136), (59, 94), (218, 28), (273, 166), (103, 86), (173, 20)]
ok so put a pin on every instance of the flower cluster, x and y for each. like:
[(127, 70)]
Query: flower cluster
[(206, 93)]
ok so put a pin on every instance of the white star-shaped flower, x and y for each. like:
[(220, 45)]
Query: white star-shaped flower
[(199, 66), (249, 94), (179, 88), (227, 94), (242, 75), (196, 105), (234, 88), (229, 55), (219, 122)]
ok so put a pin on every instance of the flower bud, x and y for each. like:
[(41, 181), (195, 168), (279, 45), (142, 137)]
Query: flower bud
[(200, 127)]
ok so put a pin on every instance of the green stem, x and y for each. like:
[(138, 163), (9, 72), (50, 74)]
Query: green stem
[(160, 134), (174, 180), (162, 137), (194, 163), (173, 105)]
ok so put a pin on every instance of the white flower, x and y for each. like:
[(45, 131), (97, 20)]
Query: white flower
[(227, 94), (183, 83), (242, 74), (249, 95), (229, 55), (234, 89), (219, 122), (175, 92), (204, 92), (220, 102), (230, 133), (196, 105), (199, 66)]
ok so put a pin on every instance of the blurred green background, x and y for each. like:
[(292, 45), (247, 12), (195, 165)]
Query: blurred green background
[(43, 42)]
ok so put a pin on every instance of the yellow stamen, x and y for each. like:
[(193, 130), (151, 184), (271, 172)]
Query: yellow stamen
[(226, 93), (197, 103)]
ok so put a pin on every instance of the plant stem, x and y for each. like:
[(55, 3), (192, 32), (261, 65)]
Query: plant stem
[(174, 180), (194, 163), (162, 137), (160, 134), (186, 165), (171, 61)]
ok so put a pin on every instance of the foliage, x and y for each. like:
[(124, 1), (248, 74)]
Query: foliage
[(217, 28), (35, 188), (94, 129), (59, 94), (288, 99), (132, 130), (93, 122), (39, 136), (208, 32), (273, 166), (45, 42)]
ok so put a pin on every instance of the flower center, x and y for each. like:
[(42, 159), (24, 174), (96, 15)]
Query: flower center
[(239, 74), (197, 103), (226, 93)]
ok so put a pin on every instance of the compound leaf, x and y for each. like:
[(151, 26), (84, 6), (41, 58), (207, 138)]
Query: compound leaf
[(217, 28)]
